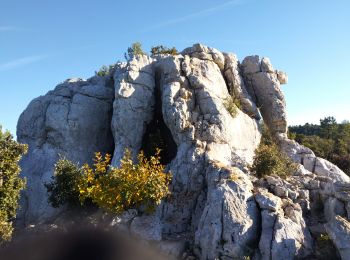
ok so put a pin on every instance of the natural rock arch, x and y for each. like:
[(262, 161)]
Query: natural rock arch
[(157, 134)]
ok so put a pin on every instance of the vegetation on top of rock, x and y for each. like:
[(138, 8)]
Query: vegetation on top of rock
[(232, 105), (160, 49), (135, 49), (114, 189), (270, 160), (10, 182), (104, 70), (328, 140)]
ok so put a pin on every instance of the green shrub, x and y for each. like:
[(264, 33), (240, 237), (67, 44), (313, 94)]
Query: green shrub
[(135, 49), (63, 188), (105, 71), (160, 49), (10, 182), (114, 189), (232, 105), (269, 160)]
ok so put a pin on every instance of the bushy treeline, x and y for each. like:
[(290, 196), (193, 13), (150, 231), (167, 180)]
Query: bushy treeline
[(329, 140)]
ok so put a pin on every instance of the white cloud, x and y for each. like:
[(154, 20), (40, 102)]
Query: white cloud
[(195, 15), (21, 62)]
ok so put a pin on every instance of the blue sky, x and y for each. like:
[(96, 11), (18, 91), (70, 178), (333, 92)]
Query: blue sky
[(44, 42)]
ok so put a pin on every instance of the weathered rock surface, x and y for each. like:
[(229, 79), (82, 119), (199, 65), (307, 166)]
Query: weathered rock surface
[(73, 120), (133, 104), (284, 234), (228, 227), (237, 87), (263, 85), (339, 231), (217, 209)]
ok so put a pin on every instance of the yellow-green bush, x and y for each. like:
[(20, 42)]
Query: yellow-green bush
[(114, 189), (270, 160), (6, 227), (131, 185), (10, 182)]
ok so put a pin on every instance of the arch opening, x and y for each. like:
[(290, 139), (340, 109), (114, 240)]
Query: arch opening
[(157, 134)]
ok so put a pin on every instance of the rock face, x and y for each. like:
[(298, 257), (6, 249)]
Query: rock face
[(133, 104), (217, 209), (73, 120), (339, 231), (284, 234), (264, 86), (228, 226)]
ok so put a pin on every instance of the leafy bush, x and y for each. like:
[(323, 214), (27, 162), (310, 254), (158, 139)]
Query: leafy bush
[(135, 49), (63, 188), (232, 105), (10, 182), (131, 185), (113, 189), (160, 49), (6, 227), (269, 160)]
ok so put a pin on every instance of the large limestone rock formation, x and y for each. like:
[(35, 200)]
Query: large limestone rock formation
[(217, 208)]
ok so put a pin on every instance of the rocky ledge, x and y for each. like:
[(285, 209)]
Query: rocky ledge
[(217, 208)]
